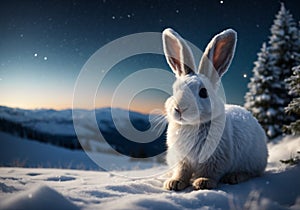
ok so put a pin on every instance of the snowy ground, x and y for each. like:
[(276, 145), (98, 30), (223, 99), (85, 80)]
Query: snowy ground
[(49, 188)]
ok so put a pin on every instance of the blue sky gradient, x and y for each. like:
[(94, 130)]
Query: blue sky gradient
[(44, 44)]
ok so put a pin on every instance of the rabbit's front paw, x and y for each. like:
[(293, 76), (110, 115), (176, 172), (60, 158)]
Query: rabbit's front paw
[(204, 183), (174, 184)]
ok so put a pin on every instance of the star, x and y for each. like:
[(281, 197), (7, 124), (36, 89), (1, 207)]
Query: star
[(35, 55), (221, 2), (245, 75), (45, 58)]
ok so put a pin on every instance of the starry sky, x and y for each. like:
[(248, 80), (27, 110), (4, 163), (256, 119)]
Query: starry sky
[(45, 43)]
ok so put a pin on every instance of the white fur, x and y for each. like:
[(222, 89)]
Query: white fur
[(241, 145)]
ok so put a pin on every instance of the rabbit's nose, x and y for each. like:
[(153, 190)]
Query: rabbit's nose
[(177, 110)]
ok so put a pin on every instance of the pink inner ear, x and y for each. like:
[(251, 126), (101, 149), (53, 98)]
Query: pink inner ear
[(176, 65), (174, 52), (222, 53), (219, 54)]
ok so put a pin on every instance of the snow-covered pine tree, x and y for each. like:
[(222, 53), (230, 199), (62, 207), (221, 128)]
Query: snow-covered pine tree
[(284, 50), (294, 106), (261, 99), (274, 65)]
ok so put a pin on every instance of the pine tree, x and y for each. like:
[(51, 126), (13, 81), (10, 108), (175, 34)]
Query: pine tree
[(284, 48), (294, 106), (274, 65), (261, 99)]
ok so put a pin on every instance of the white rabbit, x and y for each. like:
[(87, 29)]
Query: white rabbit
[(232, 152)]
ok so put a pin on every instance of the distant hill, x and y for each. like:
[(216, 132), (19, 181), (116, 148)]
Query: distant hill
[(56, 127)]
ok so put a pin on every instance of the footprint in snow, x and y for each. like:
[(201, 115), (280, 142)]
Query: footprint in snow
[(33, 174), (60, 178)]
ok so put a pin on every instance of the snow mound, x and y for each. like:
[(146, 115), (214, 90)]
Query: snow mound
[(101, 190), (26, 153), (48, 188), (40, 197), (283, 149)]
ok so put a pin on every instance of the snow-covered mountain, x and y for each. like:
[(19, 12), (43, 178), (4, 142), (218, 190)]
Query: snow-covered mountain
[(56, 127)]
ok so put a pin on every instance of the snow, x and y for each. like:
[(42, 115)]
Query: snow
[(271, 112), (49, 156), (263, 97), (40, 197), (271, 131), (287, 148), (44, 155), (65, 188)]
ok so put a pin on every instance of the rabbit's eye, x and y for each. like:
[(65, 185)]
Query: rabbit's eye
[(203, 93)]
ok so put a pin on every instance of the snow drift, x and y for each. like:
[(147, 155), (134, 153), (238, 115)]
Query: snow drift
[(42, 188)]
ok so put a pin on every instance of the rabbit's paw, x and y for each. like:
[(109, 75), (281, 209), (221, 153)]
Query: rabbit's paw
[(204, 183), (174, 184)]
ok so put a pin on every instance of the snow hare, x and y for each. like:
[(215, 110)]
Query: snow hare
[(208, 142)]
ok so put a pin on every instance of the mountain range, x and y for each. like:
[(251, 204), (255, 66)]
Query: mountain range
[(57, 127)]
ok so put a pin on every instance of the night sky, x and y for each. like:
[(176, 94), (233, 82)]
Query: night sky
[(44, 44)]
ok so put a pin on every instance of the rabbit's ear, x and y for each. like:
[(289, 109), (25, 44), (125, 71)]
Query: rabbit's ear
[(178, 53), (218, 55)]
